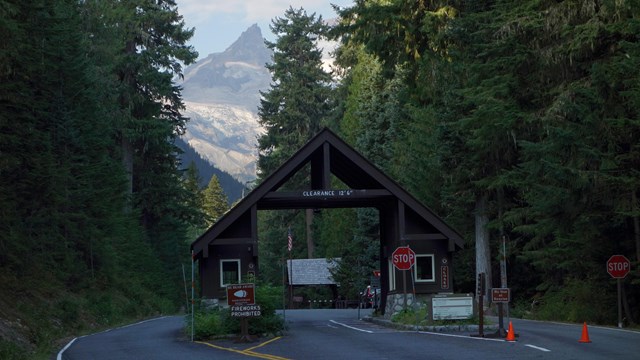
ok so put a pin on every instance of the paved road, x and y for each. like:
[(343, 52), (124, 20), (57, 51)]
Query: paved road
[(338, 334)]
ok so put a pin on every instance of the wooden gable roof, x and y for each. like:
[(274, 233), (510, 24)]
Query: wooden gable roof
[(327, 154)]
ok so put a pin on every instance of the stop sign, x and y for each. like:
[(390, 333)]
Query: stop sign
[(403, 258), (618, 266)]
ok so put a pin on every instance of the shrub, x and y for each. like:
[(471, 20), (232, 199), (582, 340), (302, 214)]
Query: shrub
[(218, 322), (576, 302)]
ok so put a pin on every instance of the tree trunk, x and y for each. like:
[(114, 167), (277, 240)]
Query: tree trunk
[(483, 249), (310, 244), (636, 223), (127, 163)]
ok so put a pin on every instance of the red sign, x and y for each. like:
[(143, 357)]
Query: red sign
[(241, 294), (618, 266), (500, 295), (403, 258), (444, 277)]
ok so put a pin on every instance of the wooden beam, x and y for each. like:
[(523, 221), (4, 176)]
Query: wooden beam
[(233, 241), (310, 199), (419, 237)]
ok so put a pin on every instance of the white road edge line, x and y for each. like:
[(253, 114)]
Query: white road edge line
[(460, 336), (580, 325), (59, 357), (65, 348), (351, 327), (537, 347)]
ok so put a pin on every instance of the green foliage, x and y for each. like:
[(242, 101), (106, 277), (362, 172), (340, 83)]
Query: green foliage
[(575, 302), (71, 228), (293, 109), (219, 323), (421, 317), (359, 255), (214, 202), (209, 324), (531, 104), (11, 351), (412, 317)]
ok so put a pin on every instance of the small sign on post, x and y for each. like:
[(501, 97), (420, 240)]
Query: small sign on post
[(500, 295), (246, 311), (241, 298), (403, 258), (618, 266), (241, 294)]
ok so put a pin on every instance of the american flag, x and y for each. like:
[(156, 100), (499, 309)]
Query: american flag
[(290, 240)]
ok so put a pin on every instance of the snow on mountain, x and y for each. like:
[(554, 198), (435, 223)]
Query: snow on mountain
[(222, 94)]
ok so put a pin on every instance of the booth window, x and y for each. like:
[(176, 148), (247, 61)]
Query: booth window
[(424, 270), (229, 272)]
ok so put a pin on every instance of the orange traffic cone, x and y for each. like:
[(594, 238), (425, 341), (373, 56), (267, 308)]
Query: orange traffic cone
[(511, 335), (585, 334)]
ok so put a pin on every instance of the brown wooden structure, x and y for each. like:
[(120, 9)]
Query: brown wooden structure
[(231, 244)]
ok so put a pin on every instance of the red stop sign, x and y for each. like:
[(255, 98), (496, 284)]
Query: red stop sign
[(618, 266), (403, 258)]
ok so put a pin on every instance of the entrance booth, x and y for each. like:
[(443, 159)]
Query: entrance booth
[(228, 251)]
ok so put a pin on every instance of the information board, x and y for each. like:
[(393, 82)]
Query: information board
[(452, 307)]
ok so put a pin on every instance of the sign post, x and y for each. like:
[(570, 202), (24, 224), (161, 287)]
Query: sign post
[(403, 259), (480, 294), (618, 266), (241, 298)]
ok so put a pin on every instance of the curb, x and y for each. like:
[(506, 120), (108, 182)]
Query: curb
[(431, 328)]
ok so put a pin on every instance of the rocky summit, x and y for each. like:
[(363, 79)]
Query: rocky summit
[(222, 94)]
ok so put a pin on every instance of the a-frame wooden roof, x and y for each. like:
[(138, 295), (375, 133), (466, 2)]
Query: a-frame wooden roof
[(327, 154)]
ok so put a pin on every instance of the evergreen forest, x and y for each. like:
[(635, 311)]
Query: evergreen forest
[(517, 122)]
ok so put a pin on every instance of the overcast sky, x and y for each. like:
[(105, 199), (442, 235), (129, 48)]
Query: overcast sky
[(219, 23)]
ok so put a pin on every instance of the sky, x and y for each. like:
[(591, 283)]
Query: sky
[(219, 23)]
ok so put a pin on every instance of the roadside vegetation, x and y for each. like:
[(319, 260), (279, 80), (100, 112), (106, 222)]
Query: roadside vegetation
[(421, 317), (515, 121), (216, 322)]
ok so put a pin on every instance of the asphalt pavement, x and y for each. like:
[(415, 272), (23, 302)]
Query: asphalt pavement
[(341, 334)]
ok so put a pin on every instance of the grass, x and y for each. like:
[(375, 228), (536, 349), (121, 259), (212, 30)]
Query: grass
[(38, 317), (421, 317)]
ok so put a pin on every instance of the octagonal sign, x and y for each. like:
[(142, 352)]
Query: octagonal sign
[(403, 258), (618, 266)]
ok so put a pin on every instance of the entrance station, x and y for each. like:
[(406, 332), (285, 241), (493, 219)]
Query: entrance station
[(228, 250)]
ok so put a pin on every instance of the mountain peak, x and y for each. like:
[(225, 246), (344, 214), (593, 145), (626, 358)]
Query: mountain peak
[(221, 94), (250, 47)]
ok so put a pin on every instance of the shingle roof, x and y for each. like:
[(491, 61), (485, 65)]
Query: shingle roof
[(311, 271)]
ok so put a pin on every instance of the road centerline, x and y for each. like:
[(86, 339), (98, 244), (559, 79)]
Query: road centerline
[(248, 351)]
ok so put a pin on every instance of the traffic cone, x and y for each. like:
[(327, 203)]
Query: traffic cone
[(511, 335), (585, 334)]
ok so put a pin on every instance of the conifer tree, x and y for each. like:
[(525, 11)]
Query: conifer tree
[(292, 110), (214, 201)]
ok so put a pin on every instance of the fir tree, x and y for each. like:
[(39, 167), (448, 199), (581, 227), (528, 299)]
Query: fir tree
[(214, 201)]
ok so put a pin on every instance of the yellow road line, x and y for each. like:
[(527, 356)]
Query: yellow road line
[(248, 352), (263, 344)]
